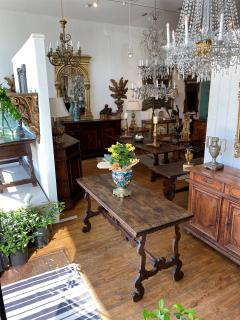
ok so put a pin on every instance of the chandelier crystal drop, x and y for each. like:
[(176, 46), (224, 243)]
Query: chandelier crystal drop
[(64, 53), (207, 39)]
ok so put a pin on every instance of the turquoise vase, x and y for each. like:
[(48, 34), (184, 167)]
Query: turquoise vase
[(76, 112), (122, 180), (71, 110)]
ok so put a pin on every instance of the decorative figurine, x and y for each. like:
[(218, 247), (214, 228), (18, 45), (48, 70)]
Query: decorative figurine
[(106, 112), (119, 90), (185, 134), (215, 149), (189, 157)]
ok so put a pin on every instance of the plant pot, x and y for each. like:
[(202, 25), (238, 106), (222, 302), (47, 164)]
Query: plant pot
[(42, 237), (19, 258), (122, 180), (4, 262)]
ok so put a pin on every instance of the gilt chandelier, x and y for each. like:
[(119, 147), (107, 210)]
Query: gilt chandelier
[(207, 39), (64, 53)]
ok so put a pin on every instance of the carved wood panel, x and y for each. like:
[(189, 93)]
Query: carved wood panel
[(27, 106), (206, 207), (232, 227)]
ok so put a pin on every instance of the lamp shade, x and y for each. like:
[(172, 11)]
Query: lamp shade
[(133, 105), (58, 108)]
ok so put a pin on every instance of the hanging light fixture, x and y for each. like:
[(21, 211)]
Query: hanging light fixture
[(153, 71), (207, 39), (130, 45), (64, 53)]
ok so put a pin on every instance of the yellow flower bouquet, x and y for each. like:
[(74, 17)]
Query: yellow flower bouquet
[(121, 158), (120, 161)]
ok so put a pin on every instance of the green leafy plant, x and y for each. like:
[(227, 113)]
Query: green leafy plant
[(164, 313), (7, 108), (15, 230), (44, 216)]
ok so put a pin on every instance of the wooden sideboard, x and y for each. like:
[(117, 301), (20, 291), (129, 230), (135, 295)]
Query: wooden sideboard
[(94, 135), (68, 168), (214, 199)]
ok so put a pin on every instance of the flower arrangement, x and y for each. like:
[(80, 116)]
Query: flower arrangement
[(121, 158)]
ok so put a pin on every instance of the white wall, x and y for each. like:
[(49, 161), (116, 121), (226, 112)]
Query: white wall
[(107, 45), (32, 54), (223, 113)]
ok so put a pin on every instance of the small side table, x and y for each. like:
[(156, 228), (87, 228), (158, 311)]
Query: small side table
[(12, 149), (68, 167)]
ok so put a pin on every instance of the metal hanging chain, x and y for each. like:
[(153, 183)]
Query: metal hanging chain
[(129, 25), (62, 9)]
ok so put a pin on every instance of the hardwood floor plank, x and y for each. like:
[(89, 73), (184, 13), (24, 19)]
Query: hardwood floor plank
[(211, 283)]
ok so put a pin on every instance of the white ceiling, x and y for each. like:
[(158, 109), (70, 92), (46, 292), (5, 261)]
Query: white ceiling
[(109, 11)]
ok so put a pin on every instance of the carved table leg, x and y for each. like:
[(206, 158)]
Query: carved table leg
[(153, 176), (139, 289), (169, 187), (29, 153), (87, 216), (177, 273), (165, 159)]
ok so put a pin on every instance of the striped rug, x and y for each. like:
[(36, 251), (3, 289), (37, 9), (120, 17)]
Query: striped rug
[(59, 294)]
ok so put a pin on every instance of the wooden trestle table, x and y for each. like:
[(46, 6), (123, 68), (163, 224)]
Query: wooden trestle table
[(136, 217)]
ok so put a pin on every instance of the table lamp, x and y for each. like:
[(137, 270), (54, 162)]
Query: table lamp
[(58, 110), (133, 105)]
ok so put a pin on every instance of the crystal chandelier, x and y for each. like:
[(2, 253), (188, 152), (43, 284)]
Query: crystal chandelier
[(207, 39), (153, 71), (64, 53)]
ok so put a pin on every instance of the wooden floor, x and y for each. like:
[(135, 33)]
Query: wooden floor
[(211, 284)]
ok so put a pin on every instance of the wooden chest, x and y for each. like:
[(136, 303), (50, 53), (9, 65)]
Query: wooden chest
[(214, 199)]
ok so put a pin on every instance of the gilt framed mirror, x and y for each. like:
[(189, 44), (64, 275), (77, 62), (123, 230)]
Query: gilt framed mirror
[(73, 84)]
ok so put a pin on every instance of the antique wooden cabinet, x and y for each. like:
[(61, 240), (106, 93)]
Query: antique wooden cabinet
[(214, 199), (94, 135), (68, 168)]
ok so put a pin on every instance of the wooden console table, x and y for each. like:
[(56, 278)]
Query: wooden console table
[(68, 166), (12, 149), (170, 173), (164, 148), (137, 216), (94, 135), (214, 200)]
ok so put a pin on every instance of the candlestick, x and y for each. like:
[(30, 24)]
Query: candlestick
[(220, 36), (155, 120), (168, 35), (186, 30), (173, 38), (174, 84), (125, 115)]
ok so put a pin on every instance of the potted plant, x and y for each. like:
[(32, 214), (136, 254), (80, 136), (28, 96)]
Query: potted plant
[(43, 217), (164, 313), (6, 109), (15, 233), (120, 161)]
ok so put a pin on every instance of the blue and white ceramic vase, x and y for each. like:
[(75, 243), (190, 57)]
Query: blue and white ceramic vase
[(76, 112), (71, 109), (122, 180)]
